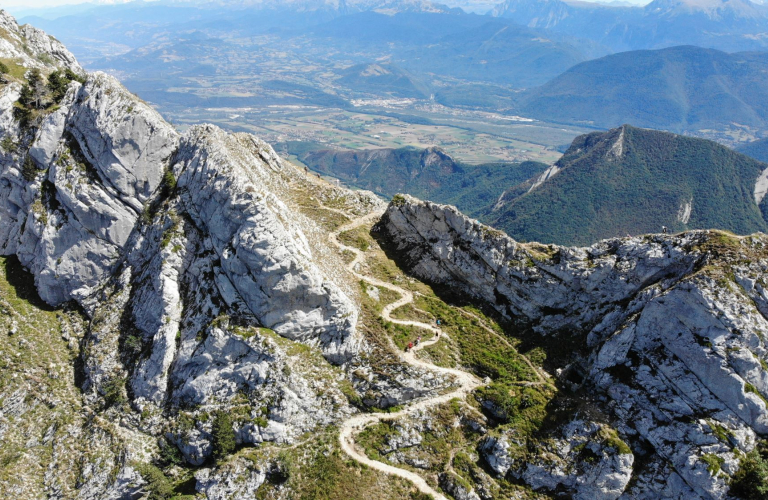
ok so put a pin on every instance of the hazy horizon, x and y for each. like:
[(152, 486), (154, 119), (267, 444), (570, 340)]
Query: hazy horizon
[(19, 8)]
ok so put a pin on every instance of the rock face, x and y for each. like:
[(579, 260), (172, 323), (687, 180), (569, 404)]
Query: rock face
[(265, 263), (189, 257), (668, 331), (101, 156), (238, 480), (33, 47), (588, 460), (567, 290)]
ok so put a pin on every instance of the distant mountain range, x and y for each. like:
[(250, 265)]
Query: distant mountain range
[(364, 54), (632, 180), (469, 47), (330, 52), (756, 149), (94, 31), (731, 25), (680, 89)]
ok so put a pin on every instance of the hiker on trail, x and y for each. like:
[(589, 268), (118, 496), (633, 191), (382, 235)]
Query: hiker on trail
[(410, 346), (664, 229), (418, 340), (437, 321)]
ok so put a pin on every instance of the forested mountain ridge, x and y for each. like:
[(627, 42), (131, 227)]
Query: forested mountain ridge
[(634, 181)]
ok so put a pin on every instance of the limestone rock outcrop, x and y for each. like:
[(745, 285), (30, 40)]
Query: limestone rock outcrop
[(265, 263), (668, 331), (32, 47), (100, 157), (588, 460), (188, 256)]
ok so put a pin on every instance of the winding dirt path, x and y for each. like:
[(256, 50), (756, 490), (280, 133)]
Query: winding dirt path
[(354, 425)]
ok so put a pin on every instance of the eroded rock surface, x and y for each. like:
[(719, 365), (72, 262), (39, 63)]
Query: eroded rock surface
[(32, 47), (669, 330), (207, 291)]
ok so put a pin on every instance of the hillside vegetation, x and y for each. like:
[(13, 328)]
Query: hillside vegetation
[(631, 180), (426, 173)]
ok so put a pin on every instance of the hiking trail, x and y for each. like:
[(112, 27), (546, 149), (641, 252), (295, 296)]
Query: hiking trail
[(354, 425), (466, 381)]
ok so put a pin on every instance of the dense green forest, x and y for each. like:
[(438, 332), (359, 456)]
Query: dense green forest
[(634, 181)]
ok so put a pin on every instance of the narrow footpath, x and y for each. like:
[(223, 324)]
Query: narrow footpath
[(354, 425)]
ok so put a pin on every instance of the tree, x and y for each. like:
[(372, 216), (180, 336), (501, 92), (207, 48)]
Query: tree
[(33, 91), (58, 81), (71, 76), (57, 84), (36, 87), (751, 480), (223, 435), (29, 169), (26, 97)]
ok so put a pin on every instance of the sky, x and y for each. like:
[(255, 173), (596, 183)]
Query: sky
[(33, 4), (11, 5), (43, 3)]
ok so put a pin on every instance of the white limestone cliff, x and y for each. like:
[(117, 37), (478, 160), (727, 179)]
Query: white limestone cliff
[(672, 336), (183, 252)]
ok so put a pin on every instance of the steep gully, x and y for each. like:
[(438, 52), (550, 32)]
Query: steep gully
[(466, 381)]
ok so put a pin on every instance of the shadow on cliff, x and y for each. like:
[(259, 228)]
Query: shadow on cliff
[(560, 348), (23, 282)]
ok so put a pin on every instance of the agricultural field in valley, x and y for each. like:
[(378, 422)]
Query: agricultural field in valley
[(469, 136)]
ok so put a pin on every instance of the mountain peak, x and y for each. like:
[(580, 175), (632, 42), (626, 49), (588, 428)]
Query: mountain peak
[(633, 180), (713, 9), (33, 48)]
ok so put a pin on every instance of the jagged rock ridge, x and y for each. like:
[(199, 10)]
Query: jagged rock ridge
[(668, 331), (195, 269)]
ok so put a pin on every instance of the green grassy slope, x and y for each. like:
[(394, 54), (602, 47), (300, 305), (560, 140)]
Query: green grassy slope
[(631, 180), (43, 436)]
